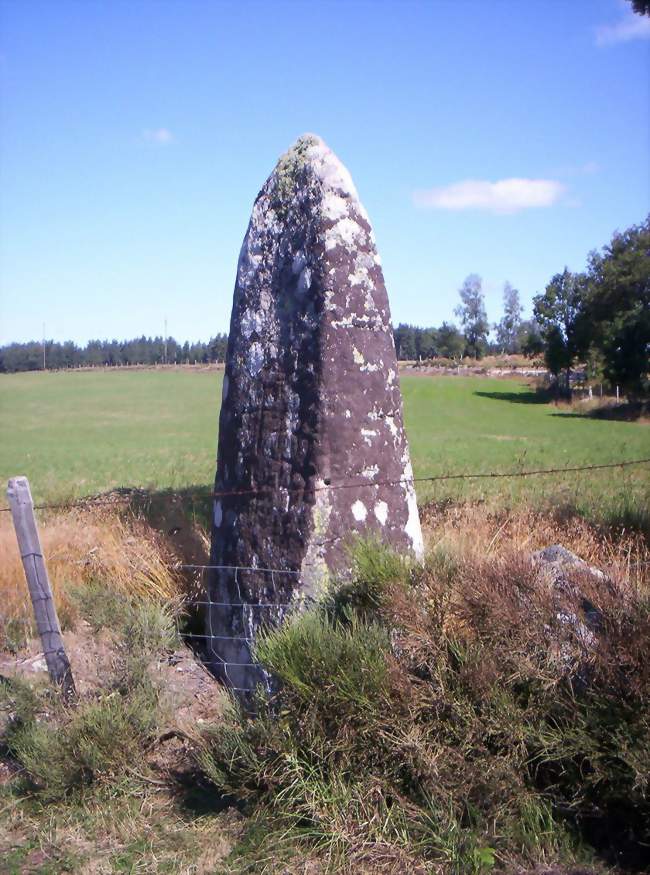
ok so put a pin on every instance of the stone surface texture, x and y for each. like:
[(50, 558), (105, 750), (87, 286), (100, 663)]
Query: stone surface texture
[(311, 403)]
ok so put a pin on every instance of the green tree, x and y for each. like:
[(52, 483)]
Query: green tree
[(217, 348), (427, 342), (507, 330), (405, 342), (617, 307), (471, 312), (559, 312), (451, 343), (529, 339)]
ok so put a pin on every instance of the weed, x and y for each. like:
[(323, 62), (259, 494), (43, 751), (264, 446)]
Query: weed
[(94, 549), (92, 743)]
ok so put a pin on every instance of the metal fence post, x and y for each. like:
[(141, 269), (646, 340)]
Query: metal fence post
[(40, 591)]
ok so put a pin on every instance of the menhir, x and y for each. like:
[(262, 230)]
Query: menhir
[(312, 449)]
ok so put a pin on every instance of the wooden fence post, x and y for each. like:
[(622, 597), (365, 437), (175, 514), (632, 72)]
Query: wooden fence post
[(40, 591)]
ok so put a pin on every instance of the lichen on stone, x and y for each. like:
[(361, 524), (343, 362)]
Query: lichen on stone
[(288, 173)]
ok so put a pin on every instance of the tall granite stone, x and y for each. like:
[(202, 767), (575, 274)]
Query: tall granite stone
[(311, 439)]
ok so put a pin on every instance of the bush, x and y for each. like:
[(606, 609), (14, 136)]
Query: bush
[(64, 748), (91, 744), (462, 724), (144, 625)]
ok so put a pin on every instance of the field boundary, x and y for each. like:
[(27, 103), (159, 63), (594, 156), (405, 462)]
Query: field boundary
[(99, 500)]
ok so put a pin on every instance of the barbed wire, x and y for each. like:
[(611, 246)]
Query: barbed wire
[(352, 484)]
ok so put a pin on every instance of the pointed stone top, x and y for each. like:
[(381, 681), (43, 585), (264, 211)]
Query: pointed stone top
[(311, 153)]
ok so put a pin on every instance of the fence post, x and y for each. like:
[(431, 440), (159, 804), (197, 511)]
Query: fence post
[(40, 591)]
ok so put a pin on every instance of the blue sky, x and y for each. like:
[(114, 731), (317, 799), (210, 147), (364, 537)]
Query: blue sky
[(504, 138)]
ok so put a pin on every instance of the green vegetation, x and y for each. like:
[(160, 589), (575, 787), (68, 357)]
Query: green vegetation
[(452, 722), (603, 314), (472, 315), (81, 433), (287, 173), (137, 351), (86, 784), (451, 719), (473, 424), (85, 432), (95, 741), (442, 720)]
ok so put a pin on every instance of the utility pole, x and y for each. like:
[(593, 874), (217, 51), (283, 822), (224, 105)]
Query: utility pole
[(165, 359), (43, 345)]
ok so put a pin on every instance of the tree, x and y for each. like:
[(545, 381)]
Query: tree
[(559, 311), (451, 343), (471, 312), (405, 342), (426, 342), (508, 328), (617, 307), (530, 339), (641, 7), (217, 348)]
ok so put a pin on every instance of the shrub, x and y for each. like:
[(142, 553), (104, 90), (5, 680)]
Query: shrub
[(462, 723), (143, 625), (64, 748)]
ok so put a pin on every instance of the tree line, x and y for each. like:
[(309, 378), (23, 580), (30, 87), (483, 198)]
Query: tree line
[(36, 355), (599, 318)]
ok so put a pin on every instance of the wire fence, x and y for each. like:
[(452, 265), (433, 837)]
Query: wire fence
[(254, 614), (127, 494), (232, 654)]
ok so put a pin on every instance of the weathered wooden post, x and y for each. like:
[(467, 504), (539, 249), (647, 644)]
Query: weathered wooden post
[(40, 591)]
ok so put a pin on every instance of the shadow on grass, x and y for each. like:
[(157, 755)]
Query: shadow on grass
[(517, 397), (182, 520), (161, 507), (626, 515), (632, 412), (630, 517), (199, 797), (182, 517)]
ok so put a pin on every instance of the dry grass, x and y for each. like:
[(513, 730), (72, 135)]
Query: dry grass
[(478, 532), (458, 717), (83, 547)]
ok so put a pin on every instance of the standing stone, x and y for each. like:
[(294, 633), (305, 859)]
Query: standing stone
[(311, 403)]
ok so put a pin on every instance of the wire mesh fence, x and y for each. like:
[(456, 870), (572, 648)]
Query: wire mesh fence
[(240, 613)]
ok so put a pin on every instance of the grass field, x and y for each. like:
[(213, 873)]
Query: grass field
[(132, 778), (76, 434)]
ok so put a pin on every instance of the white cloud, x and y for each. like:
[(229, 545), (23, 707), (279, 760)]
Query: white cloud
[(630, 26), (161, 136), (503, 196)]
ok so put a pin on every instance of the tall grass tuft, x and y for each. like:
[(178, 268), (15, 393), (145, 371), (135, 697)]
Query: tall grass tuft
[(82, 547)]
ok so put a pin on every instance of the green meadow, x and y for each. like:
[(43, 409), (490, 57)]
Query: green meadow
[(81, 433)]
